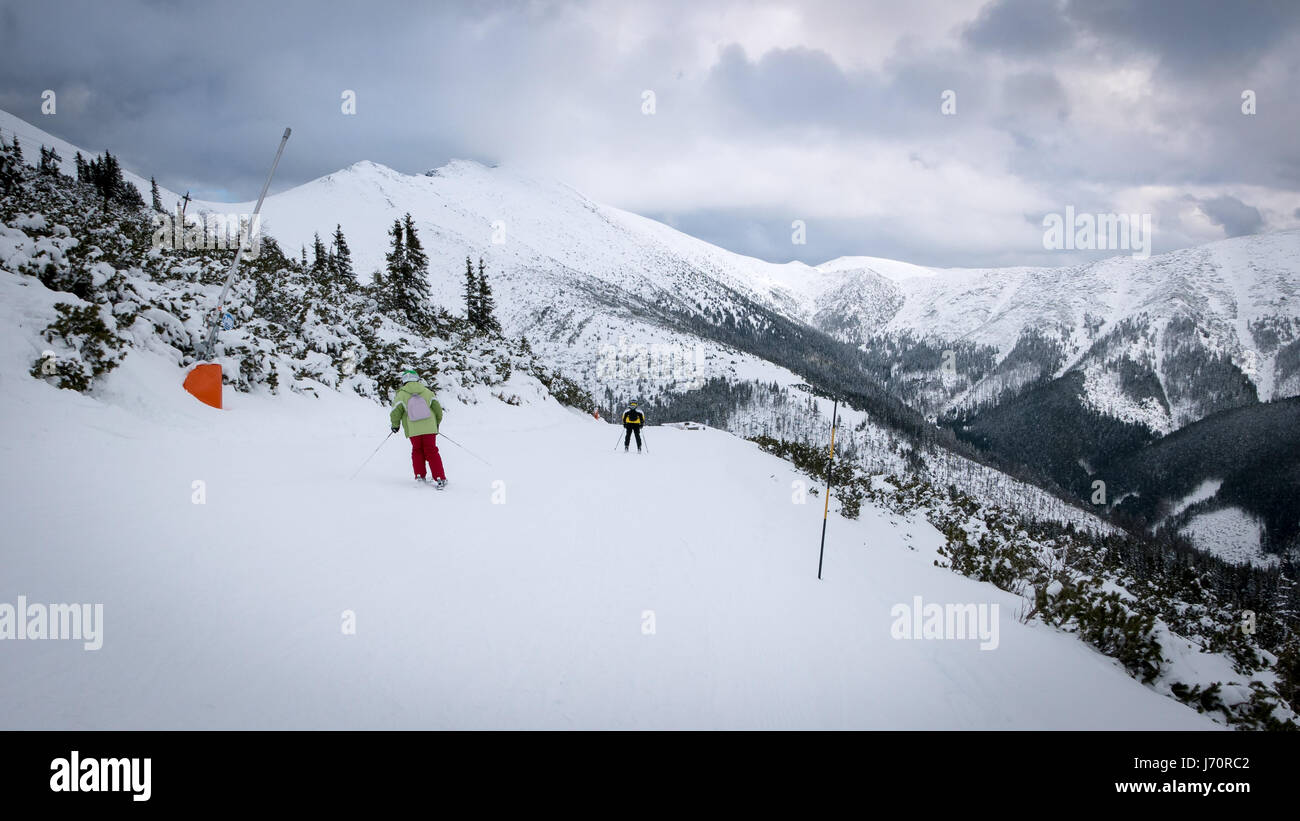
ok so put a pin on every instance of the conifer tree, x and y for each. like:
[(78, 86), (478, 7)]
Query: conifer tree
[(486, 305), (83, 169), (50, 161), (9, 169), (130, 196), (472, 312), (343, 271), (319, 260), (407, 269), (154, 194), (417, 262), (394, 260), (106, 175), (408, 278), (378, 290)]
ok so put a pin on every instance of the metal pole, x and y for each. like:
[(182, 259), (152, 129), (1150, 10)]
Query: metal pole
[(467, 450), (371, 456), (830, 463), (234, 263)]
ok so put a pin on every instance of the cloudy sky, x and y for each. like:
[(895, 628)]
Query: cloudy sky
[(764, 112)]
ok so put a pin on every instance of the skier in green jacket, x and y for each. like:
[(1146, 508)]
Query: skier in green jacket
[(416, 409)]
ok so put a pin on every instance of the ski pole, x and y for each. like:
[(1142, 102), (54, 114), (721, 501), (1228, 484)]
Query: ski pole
[(371, 456), (467, 450), (830, 463), (619, 439)]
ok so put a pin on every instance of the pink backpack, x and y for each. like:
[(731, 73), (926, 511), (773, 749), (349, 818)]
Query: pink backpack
[(417, 408)]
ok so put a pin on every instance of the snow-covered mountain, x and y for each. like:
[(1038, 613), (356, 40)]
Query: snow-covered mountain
[(1238, 299), (573, 275), (580, 276), (501, 608), (1153, 344), (589, 283), (628, 306)]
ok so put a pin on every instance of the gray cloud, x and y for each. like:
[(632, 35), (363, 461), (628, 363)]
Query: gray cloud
[(1191, 36), (1236, 217), (1019, 28), (197, 94)]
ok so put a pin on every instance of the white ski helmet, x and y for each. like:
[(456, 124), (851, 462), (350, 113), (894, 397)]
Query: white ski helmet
[(409, 374)]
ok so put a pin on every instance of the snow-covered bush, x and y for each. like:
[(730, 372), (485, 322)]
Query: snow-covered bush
[(91, 349), (294, 323), (1130, 597)]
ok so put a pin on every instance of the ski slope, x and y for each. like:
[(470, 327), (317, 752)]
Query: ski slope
[(515, 599)]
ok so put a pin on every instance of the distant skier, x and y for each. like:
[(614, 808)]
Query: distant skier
[(633, 419), (417, 410)]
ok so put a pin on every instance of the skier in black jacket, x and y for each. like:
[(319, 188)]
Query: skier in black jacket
[(633, 419)]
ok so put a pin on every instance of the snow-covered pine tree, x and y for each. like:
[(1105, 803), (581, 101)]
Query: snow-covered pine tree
[(472, 312), (417, 262), (417, 274), (320, 259), (129, 195), (154, 196), (106, 175), (393, 262), (408, 273), (83, 169), (50, 160), (9, 168), (486, 305), (343, 271)]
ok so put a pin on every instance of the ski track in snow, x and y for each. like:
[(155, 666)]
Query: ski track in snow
[(472, 614)]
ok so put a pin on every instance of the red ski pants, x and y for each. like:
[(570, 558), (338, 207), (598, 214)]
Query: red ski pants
[(424, 448)]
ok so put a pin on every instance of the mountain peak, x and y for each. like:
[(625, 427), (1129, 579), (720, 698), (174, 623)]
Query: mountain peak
[(458, 167)]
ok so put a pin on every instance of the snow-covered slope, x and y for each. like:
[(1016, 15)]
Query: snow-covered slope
[(583, 281), (535, 592), (31, 138)]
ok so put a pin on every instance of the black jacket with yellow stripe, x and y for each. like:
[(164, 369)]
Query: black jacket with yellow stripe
[(633, 418)]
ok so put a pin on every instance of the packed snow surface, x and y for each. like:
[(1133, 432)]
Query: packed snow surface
[(562, 584)]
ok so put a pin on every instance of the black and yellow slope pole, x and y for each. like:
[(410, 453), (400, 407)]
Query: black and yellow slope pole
[(829, 463)]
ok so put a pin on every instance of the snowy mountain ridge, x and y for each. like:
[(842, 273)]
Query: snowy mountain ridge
[(562, 263), (563, 259), (121, 320), (628, 306)]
